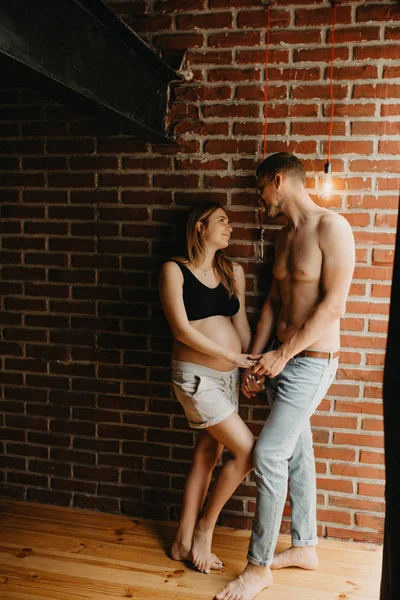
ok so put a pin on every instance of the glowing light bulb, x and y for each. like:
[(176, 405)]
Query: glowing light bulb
[(325, 186)]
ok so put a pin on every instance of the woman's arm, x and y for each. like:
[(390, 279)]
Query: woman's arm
[(171, 294), (240, 320)]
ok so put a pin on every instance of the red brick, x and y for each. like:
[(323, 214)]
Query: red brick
[(226, 40), (355, 503), (377, 52), (214, 20), (379, 326), (226, 111), (345, 454), (337, 485), (357, 472), (210, 57), (370, 521), (390, 109), (179, 41), (256, 19), (352, 534), (375, 128), (322, 55), (256, 57), (378, 90), (372, 425), (371, 489), (358, 439), (167, 6), (318, 91), (257, 92), (334, 516), (372, 458), (377, 12), (368, 408), (333, 422), (354, 34), (372, 392), (346, 390)]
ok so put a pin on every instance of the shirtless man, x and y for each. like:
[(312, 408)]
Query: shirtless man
[(300, 321)]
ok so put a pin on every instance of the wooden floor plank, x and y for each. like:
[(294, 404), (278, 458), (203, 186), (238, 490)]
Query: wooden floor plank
[(51, 553)]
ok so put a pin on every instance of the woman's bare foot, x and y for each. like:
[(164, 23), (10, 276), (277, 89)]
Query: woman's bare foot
[(181, 552), (201, 547), (246, 587), (304, 557)]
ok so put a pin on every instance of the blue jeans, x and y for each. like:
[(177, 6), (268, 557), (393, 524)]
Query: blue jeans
[(284, 456)]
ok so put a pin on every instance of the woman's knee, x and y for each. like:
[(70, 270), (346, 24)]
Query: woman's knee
[(207, 457), (244, 457)]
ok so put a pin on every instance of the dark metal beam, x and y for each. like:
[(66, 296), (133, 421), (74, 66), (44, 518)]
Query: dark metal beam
[(390, 584), (82, 47)]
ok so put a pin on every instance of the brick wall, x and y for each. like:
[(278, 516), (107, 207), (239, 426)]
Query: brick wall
[(88, 417)]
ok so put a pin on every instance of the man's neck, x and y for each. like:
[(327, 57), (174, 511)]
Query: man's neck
[(299, 209)]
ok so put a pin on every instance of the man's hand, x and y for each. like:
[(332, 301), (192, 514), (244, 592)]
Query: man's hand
[(270, 364)]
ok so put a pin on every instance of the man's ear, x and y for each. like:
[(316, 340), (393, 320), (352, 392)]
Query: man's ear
[(278, 180)]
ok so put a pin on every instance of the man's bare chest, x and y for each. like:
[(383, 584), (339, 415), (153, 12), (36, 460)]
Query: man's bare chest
[(298, 257)]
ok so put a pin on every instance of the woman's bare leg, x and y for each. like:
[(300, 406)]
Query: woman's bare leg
[(234, 434), (206, 454)]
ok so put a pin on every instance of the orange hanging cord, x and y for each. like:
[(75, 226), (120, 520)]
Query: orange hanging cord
[(267, 39), (267, 36), (335, 5)]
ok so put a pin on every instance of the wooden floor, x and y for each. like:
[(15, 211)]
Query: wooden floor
[(51, 553)]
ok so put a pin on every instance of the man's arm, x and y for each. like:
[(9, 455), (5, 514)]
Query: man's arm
[(338, 256), (265, 327)]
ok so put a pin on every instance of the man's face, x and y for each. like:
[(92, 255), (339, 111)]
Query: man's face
[(270, 196)]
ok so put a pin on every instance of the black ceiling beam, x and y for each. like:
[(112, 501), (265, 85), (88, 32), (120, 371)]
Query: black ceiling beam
[(81, 51)]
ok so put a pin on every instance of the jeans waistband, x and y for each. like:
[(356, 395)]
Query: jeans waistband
[(275, 343)]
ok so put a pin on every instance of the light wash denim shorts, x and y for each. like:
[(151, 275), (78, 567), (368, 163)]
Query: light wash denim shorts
[(206, 395)]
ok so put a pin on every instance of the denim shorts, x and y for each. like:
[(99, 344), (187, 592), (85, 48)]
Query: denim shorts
[(206, 395)]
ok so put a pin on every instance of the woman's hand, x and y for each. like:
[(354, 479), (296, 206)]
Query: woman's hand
[(243, 360)]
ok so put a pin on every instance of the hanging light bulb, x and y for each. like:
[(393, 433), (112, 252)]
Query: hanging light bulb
[(325, 187)]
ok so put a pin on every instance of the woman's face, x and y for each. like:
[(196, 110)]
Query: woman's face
[(217, 230)]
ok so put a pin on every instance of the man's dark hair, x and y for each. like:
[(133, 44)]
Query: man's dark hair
[(281, 162)]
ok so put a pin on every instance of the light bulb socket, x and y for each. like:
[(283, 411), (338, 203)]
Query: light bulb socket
[(328, 167)]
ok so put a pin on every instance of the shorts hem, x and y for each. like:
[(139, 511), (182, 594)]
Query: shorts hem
[(211, 422)]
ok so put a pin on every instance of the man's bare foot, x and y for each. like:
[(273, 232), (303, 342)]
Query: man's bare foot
[(246, 587), (201, 547), (304, 557), (182, 552)]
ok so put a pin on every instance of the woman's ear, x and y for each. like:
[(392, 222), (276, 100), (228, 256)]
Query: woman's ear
[(199, 227)]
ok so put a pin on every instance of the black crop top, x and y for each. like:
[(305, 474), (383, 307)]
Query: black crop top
[(201, 301)]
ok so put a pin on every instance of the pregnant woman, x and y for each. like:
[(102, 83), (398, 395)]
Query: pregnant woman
[(203, 297)]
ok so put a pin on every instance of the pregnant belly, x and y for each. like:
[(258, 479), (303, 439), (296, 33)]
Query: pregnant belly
[(220, 330)]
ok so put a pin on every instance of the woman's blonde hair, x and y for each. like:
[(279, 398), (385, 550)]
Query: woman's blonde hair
[(195, 245)]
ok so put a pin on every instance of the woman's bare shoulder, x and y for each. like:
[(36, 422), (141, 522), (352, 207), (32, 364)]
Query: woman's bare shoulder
[(171, 269)]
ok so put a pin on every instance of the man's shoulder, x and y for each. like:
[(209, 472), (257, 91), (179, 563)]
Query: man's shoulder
[(334, 230), (331, 221)]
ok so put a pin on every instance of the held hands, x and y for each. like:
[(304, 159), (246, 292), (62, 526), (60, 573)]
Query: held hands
[(270, 364), (243, 360)]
